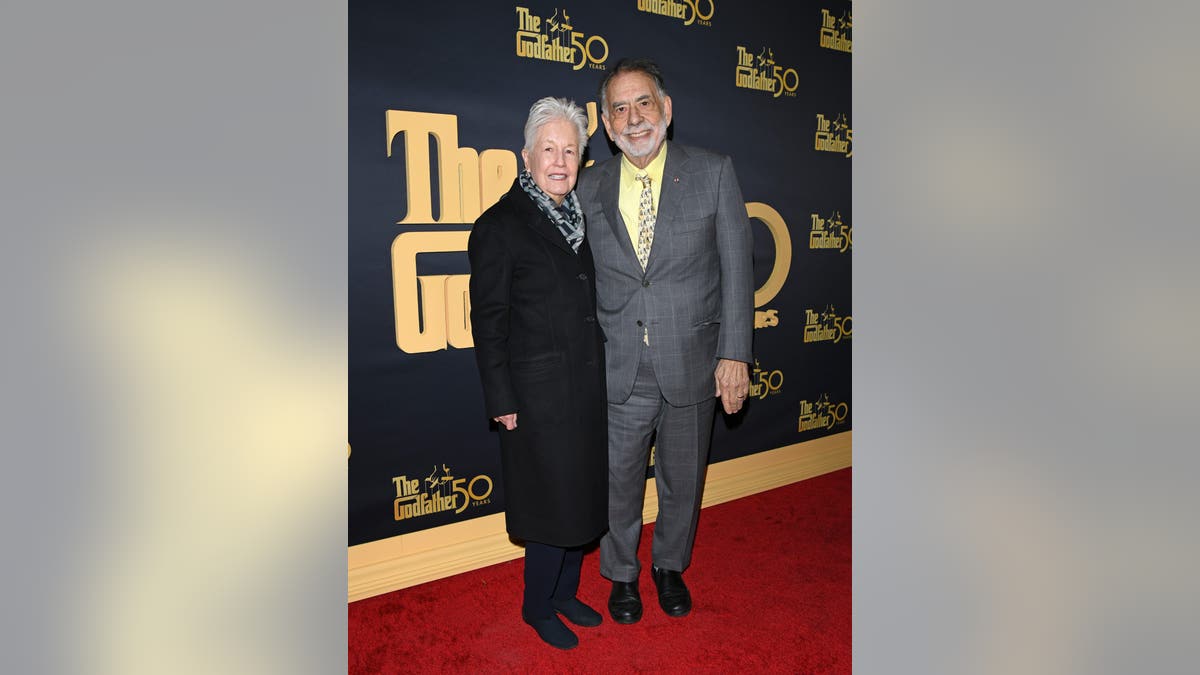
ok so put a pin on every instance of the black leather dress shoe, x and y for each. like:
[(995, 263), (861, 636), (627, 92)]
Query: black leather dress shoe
[(625, 603), (577, 612), (673, 595)]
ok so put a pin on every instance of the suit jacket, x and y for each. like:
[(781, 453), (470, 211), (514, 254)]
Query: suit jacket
[(539, 351), (696, 294)]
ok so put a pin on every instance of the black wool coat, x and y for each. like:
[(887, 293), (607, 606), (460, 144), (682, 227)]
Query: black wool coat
[(540, 353)]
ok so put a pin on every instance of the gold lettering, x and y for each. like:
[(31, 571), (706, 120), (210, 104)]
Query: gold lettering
[(497, 171), (439, 319), (417, 128), (402, 510), (458, 311), (675, 10), (526, 20), (783, 251), (467, 181), (592, 125), (405, 487), (766, 319)]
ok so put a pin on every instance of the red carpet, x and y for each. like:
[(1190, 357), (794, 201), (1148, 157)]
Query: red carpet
[(770, 580)]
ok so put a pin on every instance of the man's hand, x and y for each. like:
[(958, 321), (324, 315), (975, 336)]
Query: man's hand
[(733, 384), (509, 421)]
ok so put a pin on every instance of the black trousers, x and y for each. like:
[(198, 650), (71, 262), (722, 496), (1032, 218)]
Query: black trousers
[(551, 574)]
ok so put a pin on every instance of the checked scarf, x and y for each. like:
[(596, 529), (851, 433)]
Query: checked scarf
[(568, 217)]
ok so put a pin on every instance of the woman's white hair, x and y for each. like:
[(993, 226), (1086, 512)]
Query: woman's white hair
[(550, 108)]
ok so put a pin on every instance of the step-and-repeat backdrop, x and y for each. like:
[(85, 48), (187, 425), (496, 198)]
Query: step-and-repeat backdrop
[(438, 94)]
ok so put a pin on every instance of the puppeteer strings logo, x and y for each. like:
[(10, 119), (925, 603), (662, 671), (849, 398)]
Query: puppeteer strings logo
[(762, 73), (555, 39), (833, 135), (827, 326), (438, 492), (822, 414), (830, 233), (835, 31), (688, 11)]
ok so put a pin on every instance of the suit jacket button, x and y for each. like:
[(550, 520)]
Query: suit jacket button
[(646, 283), (582, 276), (639, 322), (589, 319)]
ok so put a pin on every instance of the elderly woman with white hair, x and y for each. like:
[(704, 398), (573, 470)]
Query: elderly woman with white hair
[(540, 353)]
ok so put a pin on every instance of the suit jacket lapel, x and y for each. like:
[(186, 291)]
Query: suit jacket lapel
[(670, 197), (609, 193)]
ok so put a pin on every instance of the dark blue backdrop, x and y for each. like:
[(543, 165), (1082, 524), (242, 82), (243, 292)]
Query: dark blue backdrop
[(418, 414)]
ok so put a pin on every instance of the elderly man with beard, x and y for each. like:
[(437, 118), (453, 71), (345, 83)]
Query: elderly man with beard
[(675, 297)]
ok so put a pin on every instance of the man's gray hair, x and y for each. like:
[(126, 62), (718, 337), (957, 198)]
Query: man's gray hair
[(644, 66), (550, 108)]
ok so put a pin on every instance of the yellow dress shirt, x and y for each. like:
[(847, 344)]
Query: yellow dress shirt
[(631, 190)]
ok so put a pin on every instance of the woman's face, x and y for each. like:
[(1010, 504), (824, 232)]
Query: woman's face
[(554, 158)]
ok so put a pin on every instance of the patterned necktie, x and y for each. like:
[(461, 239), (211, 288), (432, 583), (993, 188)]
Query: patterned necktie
[(645, 220), (645, 232)]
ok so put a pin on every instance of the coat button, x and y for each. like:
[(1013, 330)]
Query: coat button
[(582, 276), (646, 283), (589, 319), (639, 322)]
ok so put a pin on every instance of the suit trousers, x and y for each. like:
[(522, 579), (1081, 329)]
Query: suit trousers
[(551, 573), (680, 463)]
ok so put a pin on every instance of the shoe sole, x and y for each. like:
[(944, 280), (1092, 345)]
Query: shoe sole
[(627, 619)]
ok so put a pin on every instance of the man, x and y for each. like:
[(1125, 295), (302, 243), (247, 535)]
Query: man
[(675, 297)]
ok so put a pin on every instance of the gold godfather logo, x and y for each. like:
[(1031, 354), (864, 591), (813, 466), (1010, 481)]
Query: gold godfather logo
[(438, 492), (835, 31), (830, 233), (833, 135), (555, 39), (688, 11), (762, 73), (432, 312), (822, 414), (827, 326), (764, 383)]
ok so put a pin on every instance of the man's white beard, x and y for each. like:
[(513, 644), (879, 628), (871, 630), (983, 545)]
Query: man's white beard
[(647, 146)]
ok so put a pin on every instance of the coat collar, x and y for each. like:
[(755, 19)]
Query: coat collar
[(533, 217)]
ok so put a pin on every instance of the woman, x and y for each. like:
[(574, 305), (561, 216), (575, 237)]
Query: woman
[(540, 353)]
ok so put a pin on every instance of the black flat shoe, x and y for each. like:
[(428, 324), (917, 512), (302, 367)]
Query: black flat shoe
[(624, 603), (673, 595), (578, 613), (552, 631)]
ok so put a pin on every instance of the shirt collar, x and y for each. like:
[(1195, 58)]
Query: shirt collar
[(654, 168)]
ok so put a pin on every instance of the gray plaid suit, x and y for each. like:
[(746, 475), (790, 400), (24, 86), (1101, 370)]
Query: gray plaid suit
[(696, 300)]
